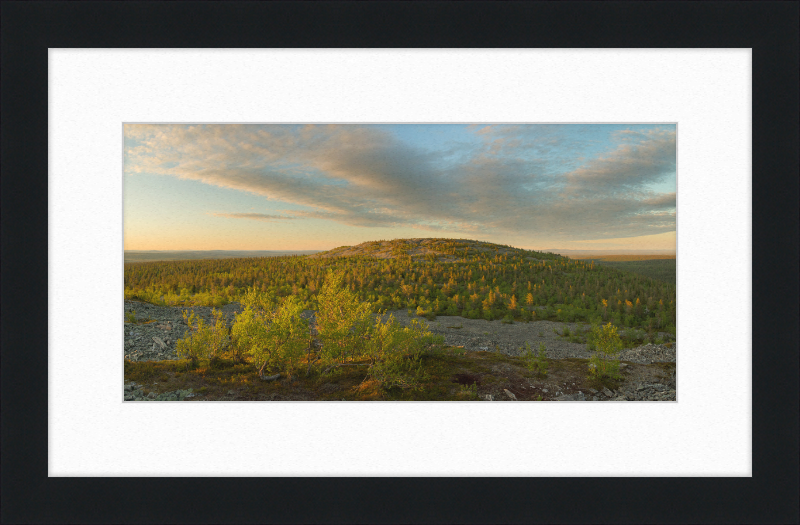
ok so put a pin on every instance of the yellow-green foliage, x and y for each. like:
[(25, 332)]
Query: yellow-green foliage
[(343, 322), (396, 353), (202, 340), (536, 363), (608, 343), (465, 278), (273, 333), (346, 331)]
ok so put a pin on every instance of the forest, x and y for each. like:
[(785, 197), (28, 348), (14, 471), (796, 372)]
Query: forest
[(476, 280)]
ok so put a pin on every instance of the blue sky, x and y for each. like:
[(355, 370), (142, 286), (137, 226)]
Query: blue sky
[(305, 187)]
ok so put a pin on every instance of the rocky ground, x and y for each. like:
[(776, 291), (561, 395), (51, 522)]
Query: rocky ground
[(154, 334), (133, 392), (479, 334)]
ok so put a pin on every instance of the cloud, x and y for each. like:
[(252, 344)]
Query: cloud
[(524, 181), (253, 216), (665, 200), (629, 167)]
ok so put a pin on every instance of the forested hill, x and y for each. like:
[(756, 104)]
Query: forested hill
[(441, 250), (433, 276)]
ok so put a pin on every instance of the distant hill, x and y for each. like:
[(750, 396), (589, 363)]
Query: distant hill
[(188, 255), (429, 277), (442, 249), (632, 254)]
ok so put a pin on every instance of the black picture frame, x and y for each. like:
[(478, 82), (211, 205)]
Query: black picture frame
[(769, 28)]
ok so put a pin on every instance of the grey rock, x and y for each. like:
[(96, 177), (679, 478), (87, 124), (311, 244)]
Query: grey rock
[(489, 397), (128, 398), (510, 394), (270, 378), (592, 390), (571, 397), (607, 392)]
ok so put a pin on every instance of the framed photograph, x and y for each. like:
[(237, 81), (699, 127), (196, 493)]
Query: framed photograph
[(106, 97), (342, 262)]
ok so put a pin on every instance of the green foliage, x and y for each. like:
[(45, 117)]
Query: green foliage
[(536, 363), (427, 314), (660, 269), (508, 320), (607, 339), (130, 317), (396, 353), (343, 322), (468, 392), (480, 280), (202, 340), (608, 343), (271, 331)]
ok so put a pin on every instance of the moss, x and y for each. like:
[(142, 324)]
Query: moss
[(666, 367)]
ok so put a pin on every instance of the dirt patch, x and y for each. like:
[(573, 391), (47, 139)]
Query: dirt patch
[(467, 379)]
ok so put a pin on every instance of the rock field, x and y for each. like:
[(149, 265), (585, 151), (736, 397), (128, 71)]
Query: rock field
[(153, 338)]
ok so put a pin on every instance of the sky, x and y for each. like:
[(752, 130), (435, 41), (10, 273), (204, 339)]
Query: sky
[(320, 186)]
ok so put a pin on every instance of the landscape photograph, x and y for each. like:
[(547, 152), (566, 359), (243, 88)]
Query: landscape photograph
[(399, 262)]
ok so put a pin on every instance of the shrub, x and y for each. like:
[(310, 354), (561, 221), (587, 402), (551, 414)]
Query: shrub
[(274, 334), (430, 315), (536, 363), (508, 319), (468, 392), (343, 322), (608, 343), (396, 352), (202, 340)]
